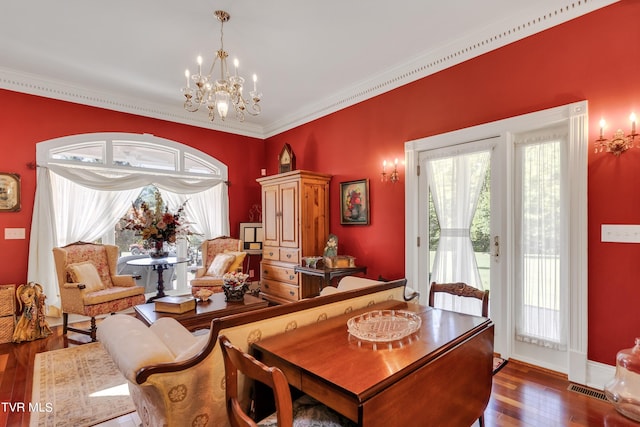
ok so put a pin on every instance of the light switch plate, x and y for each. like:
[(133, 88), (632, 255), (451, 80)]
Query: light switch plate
[(14, 233), (621, 233)]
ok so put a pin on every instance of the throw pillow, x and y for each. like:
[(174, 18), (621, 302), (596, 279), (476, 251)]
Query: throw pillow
[(220, 265), (87, 274), (237, 264)]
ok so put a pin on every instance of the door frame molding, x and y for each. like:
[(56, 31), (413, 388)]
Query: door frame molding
[(576, 117)]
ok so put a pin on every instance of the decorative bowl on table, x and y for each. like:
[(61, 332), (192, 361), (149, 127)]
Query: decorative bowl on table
[(384, 325), (204, 294)]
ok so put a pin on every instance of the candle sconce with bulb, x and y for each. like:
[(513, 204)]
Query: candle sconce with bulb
[(392, 176), (619, 143)]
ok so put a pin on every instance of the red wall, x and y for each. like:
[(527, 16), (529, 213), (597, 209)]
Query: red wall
[(26, 120), (593, 57)]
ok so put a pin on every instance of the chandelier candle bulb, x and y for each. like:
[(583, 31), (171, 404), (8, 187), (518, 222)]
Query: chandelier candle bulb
[(199, 60), (602, 123), (255, 79), (235, 64), (632, 117), (187, 75)]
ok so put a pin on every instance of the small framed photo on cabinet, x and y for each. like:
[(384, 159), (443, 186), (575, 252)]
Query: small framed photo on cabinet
[(354, 202), (251, 236), (9, 192)]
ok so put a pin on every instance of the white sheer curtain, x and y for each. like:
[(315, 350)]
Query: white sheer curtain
[(207, 210), (79, 204), (85, 214), (208, 213), (41, 267), (540, 250), (455, 183)]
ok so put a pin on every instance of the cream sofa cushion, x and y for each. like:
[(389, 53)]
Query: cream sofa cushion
[(138, 345), (220, 265), (87, 274), (348, 283), (131, 345)]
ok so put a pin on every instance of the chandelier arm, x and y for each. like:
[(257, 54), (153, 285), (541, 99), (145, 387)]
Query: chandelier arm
[(213, 66)]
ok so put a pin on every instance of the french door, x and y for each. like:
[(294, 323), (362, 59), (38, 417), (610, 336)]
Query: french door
[(457, 199), (540, 285), (515, 218)]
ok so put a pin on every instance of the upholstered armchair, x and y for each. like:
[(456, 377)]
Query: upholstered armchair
[(220, 255), (89, 285)]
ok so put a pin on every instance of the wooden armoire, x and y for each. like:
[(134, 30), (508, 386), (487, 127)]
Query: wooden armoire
[(295, 223)]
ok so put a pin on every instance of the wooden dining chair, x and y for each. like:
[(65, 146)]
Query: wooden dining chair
[(236, 360), (464, 291), (461, 290)]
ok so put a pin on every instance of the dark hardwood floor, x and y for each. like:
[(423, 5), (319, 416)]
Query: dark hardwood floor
[(522, 395)]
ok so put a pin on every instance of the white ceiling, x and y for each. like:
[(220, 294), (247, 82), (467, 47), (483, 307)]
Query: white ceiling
[(311, 57)]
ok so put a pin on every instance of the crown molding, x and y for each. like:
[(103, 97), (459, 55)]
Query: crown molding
[(528, 22), (37, 85), (469, 46)]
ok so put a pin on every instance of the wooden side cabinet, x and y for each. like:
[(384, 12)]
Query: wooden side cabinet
[(295, 223)]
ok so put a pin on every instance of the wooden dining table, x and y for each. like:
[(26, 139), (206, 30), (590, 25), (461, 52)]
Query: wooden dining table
[(439, 375)]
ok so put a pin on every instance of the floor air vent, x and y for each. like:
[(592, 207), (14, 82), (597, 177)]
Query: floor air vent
[(587, 391)]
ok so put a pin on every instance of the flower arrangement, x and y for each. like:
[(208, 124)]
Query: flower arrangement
[(157, 225), (235, 285), (235, 279), (353, 203)]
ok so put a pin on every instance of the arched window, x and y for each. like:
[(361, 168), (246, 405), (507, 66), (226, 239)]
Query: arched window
[(87, 182)]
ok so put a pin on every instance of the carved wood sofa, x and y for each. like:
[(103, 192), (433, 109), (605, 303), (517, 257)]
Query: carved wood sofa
[(176, 379)]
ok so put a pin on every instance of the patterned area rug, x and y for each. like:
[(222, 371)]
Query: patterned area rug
[(77, 386)]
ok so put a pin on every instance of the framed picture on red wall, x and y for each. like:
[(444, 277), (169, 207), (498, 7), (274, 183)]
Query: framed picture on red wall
[(354, 202), (9, 192)]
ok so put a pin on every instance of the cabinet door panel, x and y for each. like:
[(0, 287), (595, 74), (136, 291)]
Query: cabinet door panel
[(314, 229), (270, 215), (289, 215)]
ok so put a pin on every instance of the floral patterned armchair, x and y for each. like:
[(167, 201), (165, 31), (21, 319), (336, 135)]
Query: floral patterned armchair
[(89, 285), (231, 258)]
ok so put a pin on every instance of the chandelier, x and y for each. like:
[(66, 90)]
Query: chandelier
[(218, 95)]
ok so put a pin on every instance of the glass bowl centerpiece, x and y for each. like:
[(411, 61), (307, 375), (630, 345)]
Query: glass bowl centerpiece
[(235, 286), (157, 226)]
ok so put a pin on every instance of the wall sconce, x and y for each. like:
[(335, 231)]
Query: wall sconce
[(620, 142), (393, 175)]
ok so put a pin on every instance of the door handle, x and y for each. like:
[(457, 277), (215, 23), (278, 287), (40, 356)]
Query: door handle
[(496, 247)]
